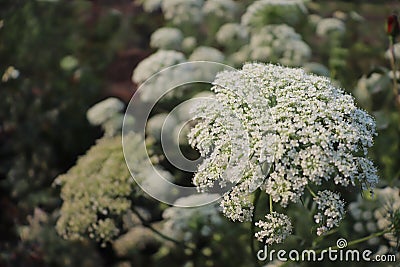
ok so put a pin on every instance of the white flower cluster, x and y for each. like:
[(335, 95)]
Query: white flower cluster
[(167, 38), (156, 62), (307, 130), (104, 110), (331, 211), (232, 34), (189, 44), (264, 12), (225, 9), (275, 229), (327, 26), (150, 5), (183, 11), (279, 44), (10, 73), (163, 81), (207, 53)]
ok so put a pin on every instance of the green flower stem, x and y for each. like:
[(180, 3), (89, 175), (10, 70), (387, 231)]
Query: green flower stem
[(311, 191), (149, 226), (320, 238), (360, 240), (392, 59), (270, 205)]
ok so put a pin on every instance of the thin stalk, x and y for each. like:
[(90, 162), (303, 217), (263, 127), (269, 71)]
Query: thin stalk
[(311, 191), (392, 59), (360, 240), (253, 221), (270, 205), (149, 226)]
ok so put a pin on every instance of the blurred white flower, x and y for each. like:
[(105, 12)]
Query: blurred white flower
[(368, 85), (225, 9), (331, 211), (279, 44), (328, 26), (183, 11), (207, 53), (189, 44), (376, 213), (241, 56), (156, 62), (10, 73), (150, 5), (313, 19), (316, 68), (167, 38), (156, 124), (232, 35), (275, 229), (264, 12), (396, 48), (104, 110)]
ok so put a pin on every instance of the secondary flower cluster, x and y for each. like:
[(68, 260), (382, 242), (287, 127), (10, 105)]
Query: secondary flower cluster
[(264, 12), (276, 228), (331, 211), (301, 126), (280, 44)]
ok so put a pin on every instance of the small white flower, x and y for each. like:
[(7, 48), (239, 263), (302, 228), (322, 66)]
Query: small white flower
[(328, 26), (225, 9), (207, 53), (264, 12), (189, 44), (275, 229), (10, 73), (104, 110), (150, 5), (331, 211), (183, 11), (167, 38), (156, 62), (232, 35), (396, 47), (279, 44)]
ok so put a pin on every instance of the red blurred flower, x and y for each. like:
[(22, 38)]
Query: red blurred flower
[(393, 28)]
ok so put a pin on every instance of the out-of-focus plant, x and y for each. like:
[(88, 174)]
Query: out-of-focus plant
[(333, 30), (45, 247), (55, 60), (264, 12), (380, 212)]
